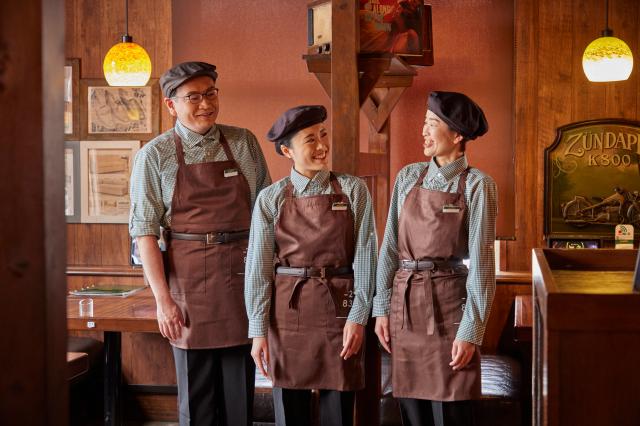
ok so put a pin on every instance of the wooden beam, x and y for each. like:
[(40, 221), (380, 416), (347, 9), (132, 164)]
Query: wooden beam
[(345, 108)]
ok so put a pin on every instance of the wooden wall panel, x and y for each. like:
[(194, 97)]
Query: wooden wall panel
[(93, 26), (32, 239), (551, 90)]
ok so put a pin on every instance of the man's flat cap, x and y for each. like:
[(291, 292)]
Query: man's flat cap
[(178, 75), (293, 120), (459, 112)]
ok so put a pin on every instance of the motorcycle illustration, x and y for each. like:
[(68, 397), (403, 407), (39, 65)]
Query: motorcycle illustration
[(620, 207)]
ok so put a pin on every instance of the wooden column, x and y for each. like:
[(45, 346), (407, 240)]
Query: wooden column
[(33, 384), (345, 108)]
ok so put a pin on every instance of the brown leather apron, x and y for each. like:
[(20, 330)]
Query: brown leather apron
[(207, 279), (427, 305), (308, 314)]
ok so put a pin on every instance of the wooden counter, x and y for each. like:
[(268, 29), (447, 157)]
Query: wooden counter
[(586, 338)]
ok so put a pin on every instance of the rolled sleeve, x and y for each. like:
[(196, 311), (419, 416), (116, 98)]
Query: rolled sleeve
[(147, 207)]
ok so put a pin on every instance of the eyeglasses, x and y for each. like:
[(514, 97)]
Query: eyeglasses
[(196, 98)]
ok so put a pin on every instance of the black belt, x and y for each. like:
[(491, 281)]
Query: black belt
[(314, 272), (211, 237), (424, 265)]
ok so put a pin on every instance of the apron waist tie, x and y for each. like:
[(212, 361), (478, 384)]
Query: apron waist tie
[(429, 265), (430, 311)]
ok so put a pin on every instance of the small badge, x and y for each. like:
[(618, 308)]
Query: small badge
[(624, 236), (448, 208), (339, 206), (230, 172)]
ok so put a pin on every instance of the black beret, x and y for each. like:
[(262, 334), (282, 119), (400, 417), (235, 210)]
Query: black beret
[(459, 112), (176, 76), (293, 120)]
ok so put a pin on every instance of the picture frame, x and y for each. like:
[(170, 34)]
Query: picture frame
[(385, 26), (119, 113), (72, 181), (105, 170), (72, 99), (575, 243)]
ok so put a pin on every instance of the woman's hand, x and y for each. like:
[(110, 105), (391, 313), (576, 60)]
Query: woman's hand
[(461, 354), (352, 338), (382, 331), (260, 355)]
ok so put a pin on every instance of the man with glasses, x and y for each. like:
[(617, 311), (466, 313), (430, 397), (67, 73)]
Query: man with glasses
[(199, 181)]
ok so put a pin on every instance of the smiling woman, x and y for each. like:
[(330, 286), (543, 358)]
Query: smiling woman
[(318, 227)]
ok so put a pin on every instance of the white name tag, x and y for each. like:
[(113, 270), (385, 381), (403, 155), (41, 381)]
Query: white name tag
[(450, 209), (339, 206), (230, 172)]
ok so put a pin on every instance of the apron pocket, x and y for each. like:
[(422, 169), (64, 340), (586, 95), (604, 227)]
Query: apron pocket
[(187, 267)]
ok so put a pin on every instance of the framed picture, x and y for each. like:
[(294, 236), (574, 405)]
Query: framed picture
[(112, 113), (72, 181), (574, 243), (105, 170), (71, 105), (401, 27)]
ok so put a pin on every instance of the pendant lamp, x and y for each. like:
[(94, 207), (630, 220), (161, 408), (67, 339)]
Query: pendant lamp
[(127, 63), (607, 58)]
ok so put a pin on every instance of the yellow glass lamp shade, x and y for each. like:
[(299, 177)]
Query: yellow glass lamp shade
[(127, 64), (607, 59)]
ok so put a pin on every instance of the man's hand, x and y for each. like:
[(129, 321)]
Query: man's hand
[(382, 331), (461, 354), (352, 338), (170, 320), (260, 355)]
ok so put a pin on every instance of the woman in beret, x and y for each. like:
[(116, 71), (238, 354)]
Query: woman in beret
[(431, 310), (310, 276)]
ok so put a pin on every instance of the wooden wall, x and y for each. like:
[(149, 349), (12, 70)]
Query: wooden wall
[(551, 90), (99, 253)]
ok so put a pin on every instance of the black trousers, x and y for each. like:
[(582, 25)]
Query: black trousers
[(293, 407), (215, 386), (422, 412)]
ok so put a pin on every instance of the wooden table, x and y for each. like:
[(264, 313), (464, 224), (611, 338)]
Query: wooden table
[(523, 318), (114, 315)]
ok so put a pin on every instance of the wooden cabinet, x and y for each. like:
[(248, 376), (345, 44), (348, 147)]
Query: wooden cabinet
[(586, 338)]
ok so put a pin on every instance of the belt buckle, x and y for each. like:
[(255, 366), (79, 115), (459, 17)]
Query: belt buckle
[(211, 239), (413, 264)]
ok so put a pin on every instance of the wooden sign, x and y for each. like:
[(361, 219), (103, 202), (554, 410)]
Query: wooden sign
[(592, 179)]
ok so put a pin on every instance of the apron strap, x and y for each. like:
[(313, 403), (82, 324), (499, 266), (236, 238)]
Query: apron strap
[(421, 177), (288, 191), (225, 146), (462, 182), (179, 148), (337, 188)]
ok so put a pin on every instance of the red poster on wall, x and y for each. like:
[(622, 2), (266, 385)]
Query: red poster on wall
[(394, 26)]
